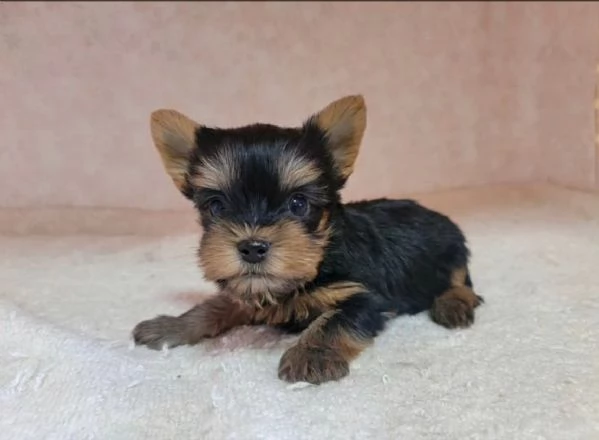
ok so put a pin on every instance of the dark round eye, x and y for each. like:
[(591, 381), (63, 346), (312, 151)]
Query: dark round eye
[(298, 205), (216, 207)]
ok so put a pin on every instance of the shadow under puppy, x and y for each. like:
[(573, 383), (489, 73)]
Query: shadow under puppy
[(286, 252)]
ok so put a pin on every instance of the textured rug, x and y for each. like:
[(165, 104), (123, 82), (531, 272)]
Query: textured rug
[(527, 369)]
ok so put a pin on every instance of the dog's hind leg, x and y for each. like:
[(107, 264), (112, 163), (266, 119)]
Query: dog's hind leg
[(455, 307)]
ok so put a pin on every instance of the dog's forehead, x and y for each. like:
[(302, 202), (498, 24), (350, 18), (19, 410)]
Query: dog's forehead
[(277, 165)]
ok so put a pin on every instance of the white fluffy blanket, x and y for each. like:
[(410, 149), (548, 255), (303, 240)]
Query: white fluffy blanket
[(528, 369)]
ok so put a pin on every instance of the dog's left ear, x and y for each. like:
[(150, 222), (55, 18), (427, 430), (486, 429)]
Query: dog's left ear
[(174, 136), (343, 122)]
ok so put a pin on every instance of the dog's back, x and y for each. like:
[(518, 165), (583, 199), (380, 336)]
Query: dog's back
[(405, 252)]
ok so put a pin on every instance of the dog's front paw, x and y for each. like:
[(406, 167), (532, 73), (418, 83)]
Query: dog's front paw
[(315, 366), (161, 331)]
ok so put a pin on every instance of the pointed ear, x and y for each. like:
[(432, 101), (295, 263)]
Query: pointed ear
[(174, 136), (343, 122)]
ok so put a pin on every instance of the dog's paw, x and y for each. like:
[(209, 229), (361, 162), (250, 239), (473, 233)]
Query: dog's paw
[(453, 313), (455, 308), (315, 366), (161, 331)]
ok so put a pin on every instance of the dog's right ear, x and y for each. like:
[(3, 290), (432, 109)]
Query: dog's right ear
[(174, 135)]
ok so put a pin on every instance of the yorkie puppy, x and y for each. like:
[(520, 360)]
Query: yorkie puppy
[(285, 251)]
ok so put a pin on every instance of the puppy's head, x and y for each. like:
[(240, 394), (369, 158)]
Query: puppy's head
[(264, 193)]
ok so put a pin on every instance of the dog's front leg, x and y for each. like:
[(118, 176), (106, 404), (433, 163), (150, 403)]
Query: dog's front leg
[(325, 349), (211, 318)]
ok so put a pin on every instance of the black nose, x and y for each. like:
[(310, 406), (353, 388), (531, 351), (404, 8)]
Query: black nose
[(253, 251)]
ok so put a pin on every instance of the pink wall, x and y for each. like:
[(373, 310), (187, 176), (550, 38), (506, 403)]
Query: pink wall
[(459, 93), (568, 59)]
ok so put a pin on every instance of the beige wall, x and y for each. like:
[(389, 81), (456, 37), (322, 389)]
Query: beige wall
[(459, 93)]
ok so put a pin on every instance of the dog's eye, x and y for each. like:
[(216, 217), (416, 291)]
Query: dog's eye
[(216, 207), (298, 205)]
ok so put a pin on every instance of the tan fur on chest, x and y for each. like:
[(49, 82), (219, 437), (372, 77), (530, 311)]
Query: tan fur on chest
[(304, 305)]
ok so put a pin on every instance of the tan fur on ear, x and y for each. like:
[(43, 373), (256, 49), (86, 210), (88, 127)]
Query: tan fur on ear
[(344, 122), (174, 136)]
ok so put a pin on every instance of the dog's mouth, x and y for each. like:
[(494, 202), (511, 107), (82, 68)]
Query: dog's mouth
[(268, 282)]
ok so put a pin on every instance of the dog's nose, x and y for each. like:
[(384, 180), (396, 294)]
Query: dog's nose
[(253, 251)]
